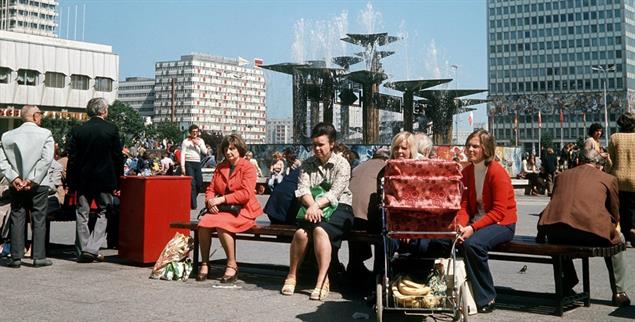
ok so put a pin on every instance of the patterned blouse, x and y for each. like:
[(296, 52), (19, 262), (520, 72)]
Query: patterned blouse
[(336, 173)]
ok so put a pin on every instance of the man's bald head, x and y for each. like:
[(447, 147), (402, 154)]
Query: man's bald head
[(31, 113)]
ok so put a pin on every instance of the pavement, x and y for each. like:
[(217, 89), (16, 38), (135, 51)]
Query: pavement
[(109, 291)]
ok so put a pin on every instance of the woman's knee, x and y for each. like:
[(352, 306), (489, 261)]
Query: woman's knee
[(301, 235)]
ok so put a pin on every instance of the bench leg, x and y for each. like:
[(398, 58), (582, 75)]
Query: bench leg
[(557, 274), (586, 286), (196, 250), (609, 267)]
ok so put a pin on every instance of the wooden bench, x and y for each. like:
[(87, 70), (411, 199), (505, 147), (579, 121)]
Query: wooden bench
[(520, 249), (526, 249)]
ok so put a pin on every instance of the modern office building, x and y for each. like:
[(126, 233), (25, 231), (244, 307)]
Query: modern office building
[(280, 131), (58, 75), (138, 92), (554, 57), (216, 93), (36, 17)]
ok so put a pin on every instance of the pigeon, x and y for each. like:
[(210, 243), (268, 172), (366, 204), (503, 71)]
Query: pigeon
[(523, 270)]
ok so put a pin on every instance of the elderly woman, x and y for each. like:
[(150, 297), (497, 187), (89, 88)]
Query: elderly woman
[(231, 205), (622, 152), (328, 172)]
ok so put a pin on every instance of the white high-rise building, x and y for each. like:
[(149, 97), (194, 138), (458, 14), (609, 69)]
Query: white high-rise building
[(138, 92), (280, 131), (29, 16), (215, 93)]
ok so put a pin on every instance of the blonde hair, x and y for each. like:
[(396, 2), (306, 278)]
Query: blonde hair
[(410, 140)]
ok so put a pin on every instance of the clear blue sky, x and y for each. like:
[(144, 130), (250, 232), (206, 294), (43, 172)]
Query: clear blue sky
[(438, 33)]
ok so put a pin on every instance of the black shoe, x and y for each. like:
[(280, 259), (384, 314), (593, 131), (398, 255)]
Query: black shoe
[(226, 279), (489, 308), (621, 299), (86, 257), (42, 262), (15, 263)]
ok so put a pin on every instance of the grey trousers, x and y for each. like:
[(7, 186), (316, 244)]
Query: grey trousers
[(34, 200), (85, 240)]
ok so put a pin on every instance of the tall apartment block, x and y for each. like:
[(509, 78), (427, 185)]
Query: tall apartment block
[(138, 92), (29, 16), (554, 57), (216, 93), (280, 131)]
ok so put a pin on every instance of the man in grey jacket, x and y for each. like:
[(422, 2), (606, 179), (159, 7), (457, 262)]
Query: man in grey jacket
[(25, 157)]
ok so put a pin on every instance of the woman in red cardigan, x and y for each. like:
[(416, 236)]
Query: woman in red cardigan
[(488, 214), (231, 203)]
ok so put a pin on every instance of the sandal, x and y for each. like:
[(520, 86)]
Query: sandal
[(289, 286), (226, 279), (320, 293), (201, 276)]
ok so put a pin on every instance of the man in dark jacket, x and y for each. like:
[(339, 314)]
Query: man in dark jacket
[(549, 165), (95, 163)]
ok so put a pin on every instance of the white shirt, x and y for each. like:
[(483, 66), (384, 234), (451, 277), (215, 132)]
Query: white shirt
[(480, 170), (191, 150)]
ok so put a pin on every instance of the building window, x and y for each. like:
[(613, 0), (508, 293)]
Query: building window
[(79, 82), (103, 84), (55, 80), (5, 73), (27, 77)]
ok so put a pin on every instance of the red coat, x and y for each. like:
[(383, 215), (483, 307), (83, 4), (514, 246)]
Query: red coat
[(242, 184), (499, 202)]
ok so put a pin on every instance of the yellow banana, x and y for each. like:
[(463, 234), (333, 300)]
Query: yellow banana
[(416, 291), (411, 283)]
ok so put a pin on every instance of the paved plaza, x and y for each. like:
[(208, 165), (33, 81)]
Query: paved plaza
[(112, 291)]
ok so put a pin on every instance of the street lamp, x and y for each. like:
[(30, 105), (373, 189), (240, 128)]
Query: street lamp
[(605, 70), (456, 116)]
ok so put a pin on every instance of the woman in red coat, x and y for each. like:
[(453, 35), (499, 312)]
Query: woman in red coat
[(231, 205), (488, 214)]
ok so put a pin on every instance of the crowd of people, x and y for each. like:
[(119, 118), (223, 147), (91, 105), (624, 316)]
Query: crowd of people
[(326, 195)]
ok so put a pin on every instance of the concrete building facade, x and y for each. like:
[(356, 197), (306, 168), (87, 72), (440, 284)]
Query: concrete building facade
[(216, 93), (280, 131), (58, 75), (549, 57), (36, 17), (138, 92)]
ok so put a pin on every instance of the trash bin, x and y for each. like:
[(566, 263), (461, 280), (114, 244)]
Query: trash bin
[(148, 206)]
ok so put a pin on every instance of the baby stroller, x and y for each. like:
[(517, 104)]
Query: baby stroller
[(421, 199)]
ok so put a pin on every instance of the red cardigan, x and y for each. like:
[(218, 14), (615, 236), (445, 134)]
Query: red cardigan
[(242, 183), (499, 202)]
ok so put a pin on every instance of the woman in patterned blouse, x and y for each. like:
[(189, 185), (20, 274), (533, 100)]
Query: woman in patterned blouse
[(331, 172)]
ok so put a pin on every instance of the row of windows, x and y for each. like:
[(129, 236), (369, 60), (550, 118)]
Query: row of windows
[(555, 85), (556, 58), (567, 133), (553, 120), (32, 14), (561, 31), (30, 77), (562, 44), (548, 71), (541, 20), (547, 5), (33, 4)]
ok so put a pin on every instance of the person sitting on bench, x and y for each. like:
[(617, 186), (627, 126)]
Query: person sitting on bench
[(584, 210)]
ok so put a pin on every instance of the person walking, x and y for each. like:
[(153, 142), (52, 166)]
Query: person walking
[(95, 164), (550, 166), (25, 159), (192, 150)]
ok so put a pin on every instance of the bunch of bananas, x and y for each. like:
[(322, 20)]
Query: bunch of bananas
[(412, 295)]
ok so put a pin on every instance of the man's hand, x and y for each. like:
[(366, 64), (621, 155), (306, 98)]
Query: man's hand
[(116, 193), (17, 184)]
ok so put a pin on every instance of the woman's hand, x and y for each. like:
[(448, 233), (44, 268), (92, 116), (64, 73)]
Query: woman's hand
[(466, 232), (314, 213), (211, 202)]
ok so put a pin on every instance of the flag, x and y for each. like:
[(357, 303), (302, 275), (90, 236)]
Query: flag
[(561, 118), (539, 120), (470, 118), (258, 61)]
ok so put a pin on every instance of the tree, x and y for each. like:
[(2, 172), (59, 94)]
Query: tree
[(546, 141), (128, 121), (213, 139), (166, 130), (61, 128)]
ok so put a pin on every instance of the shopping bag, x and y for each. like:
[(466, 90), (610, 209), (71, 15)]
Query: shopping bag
[(173, 263)]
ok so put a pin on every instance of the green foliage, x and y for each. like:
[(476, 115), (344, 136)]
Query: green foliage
[(166, 130), (546, 140), (128, 122), (213, 139), (61, 128)]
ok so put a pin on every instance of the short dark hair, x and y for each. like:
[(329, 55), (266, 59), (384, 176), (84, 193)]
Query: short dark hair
[(237, 141), (626, 122), (324, 129), (192, 127), (594, 127), (488, 143)]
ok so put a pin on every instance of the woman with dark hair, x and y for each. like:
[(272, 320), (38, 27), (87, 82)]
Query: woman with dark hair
[(231, 204), (328, 216), (192, 150), (622, 152), (292, 160), (488, 214), (593, 142)]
